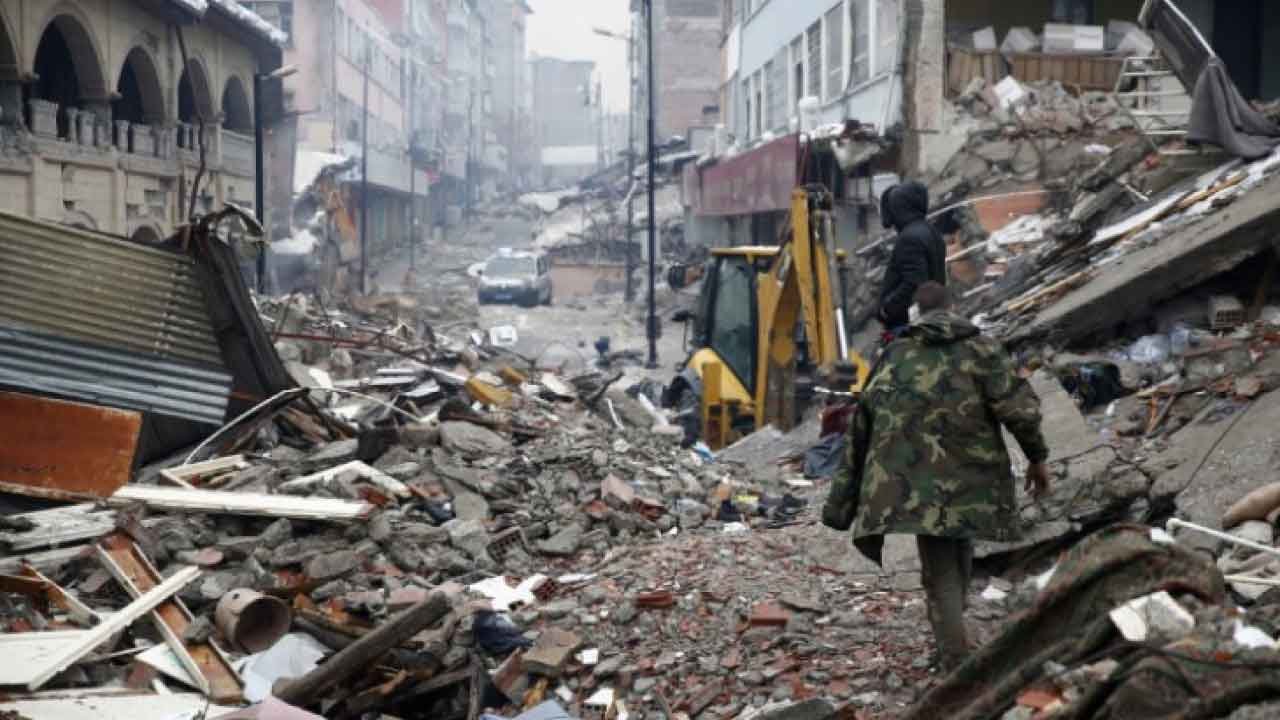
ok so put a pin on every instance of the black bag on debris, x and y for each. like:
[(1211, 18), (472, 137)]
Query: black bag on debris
[(497, 635)]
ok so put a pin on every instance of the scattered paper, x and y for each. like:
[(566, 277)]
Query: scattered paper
[(1251, 637), (994, 594), (293, 656), (503, 597)]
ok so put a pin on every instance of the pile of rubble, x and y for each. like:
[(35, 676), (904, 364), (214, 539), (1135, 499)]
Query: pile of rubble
[(432, 527)]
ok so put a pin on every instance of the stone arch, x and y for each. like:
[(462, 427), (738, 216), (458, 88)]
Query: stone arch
[(237, 114), (68, 66), (8, 43), (147, 234), (79, 219), (10, 73), (141, 97), (195, 99)]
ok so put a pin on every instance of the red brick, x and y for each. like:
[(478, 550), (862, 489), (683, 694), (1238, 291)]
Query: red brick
[(769, 614)]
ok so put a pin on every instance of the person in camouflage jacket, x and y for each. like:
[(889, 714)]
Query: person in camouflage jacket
[(926, 456)]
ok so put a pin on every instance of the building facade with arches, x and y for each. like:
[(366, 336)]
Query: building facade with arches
[(109, 110)]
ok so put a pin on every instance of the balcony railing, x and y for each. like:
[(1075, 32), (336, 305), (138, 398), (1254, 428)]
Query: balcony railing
[(225, 149)]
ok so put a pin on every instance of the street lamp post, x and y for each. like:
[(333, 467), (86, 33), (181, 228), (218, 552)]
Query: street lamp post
[(652, 325), (259, 166), (364, 182), (632, 82)]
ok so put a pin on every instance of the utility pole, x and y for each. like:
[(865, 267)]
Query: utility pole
[(653, 215), (413, 162), (259, 165), (364, 182), (633, 88), (260, 181)]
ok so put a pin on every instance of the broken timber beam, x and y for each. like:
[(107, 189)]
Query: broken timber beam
[(357, 656), (82, 643), (205, 663), (237, 503)]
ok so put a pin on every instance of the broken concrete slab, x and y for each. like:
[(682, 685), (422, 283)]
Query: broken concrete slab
[(471, 440), (1184, 258), (551, 652), (1219, 462)]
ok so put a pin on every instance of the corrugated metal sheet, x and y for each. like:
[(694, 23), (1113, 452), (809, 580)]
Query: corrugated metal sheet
[(45, 364), (109, 292)]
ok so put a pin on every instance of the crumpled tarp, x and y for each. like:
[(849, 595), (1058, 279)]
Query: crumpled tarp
[(1069, 623), (1220, 115), (822, 460)]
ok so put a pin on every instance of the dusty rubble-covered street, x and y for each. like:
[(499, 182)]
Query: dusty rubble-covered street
[(449, 525), (426, 472)]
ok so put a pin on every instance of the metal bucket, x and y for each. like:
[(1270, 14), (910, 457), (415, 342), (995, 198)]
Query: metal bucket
[(250, 621)]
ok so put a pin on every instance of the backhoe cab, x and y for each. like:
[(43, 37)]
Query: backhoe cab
[(766, 332)]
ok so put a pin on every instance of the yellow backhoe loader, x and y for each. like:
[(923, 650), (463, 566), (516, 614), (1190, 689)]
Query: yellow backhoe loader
[(767, 331)]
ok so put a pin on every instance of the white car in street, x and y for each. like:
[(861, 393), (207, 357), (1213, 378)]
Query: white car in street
[(516, 277)]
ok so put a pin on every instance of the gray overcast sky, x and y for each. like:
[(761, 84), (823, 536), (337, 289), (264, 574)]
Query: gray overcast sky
[(562, 29)]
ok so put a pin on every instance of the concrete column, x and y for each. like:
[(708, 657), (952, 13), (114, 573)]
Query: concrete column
[(85, 129), (142, 140), (73, 125), (44, 117), (923, 85), (10, 102), (122, 135)]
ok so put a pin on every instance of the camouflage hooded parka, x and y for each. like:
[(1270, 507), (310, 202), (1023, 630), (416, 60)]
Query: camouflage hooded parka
[(933, 460)]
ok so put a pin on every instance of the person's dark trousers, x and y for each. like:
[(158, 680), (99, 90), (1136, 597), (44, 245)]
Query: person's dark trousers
[(945, 567)]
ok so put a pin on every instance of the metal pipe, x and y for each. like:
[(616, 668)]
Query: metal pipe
[(652, 325), (1175, 523), (971, 201), (364, 183), (413, 157), (259, 181)]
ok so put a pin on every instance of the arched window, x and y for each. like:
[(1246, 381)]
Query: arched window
[(236, 113)]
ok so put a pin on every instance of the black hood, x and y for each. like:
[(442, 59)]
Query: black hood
[(904, 204)]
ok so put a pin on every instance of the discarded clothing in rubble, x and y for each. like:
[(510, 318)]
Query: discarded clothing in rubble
[(1069, 621), (1094, 384), (498, 635), (782, 511), (1221, 116), (728, 512), (822, 460)]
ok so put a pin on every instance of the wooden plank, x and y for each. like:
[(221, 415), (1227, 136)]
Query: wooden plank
[(237, 503), (373, 475), (24, 653), (47, 560), (58, 526), (210, 669), (357, 656), (65, 450), (60, 598), (182, 475), (56, 660), (117, 706)]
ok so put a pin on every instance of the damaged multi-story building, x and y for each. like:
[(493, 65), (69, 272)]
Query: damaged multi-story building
[(111, 111)]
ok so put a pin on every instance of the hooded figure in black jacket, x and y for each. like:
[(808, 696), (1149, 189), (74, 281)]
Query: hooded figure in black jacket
[(919, 253)]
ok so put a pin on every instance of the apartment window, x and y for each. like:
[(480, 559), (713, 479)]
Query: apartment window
[(746, 93), (886, 36), (758, 99), (341, 39), (797, 71), (814, 37), (775, 91), (835, 46), (1074, 12), (860, 27)]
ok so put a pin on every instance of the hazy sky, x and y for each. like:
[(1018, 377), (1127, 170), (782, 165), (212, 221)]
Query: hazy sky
[(562, 29)]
